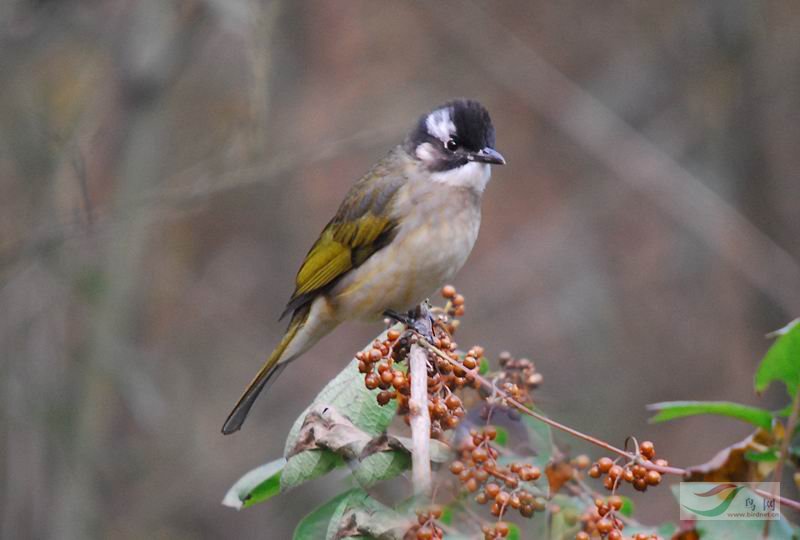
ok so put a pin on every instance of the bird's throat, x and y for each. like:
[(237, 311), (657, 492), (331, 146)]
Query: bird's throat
[(472, 175)]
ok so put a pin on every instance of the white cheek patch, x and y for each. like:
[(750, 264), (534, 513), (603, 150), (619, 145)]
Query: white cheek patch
[(440, 125), (426, 153), (472, 175)]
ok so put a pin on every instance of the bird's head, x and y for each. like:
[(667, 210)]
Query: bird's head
[(455, 141)]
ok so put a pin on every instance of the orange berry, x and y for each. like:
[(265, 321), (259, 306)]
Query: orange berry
[(453, 402), (582, 461), (502, 528), (371, 381), (481, 475), (491, 490), (653, 478), (647, 449), (502, 498), (604, 526)]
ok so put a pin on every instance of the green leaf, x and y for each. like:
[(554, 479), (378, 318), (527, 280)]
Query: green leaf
[(308, 465), (502, 436), (564, 524), (256, 486), (483, 366), (315, 525), (627, 506), (394, 459), (768, 455), (347, 394), (381, 466), (782, 361), (666, 530), (447, 515), (513, 531), (669, 410), (349, 515), (540, 437)]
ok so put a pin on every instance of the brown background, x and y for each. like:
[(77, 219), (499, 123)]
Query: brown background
[(164, 166)]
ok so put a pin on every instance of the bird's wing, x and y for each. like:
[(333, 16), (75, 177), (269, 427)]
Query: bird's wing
[(360, 227)]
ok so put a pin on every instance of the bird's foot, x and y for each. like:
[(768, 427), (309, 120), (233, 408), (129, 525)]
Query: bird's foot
[(399, 317), (423, 321), (418, 319)]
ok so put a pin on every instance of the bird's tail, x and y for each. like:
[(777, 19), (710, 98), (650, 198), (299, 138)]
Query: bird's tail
[(266, 375)]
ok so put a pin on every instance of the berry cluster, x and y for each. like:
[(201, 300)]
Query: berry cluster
[(377, 365), (455, 302), (602, 521), (518, 377), (444, 379), (495, 531), (426, 527), (632, 472), (479, 462)]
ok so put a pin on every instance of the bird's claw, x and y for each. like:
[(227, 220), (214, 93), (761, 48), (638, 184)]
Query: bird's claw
[(418, 319), (399, 317)]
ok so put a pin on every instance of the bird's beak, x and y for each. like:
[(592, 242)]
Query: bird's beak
[(488, 155)]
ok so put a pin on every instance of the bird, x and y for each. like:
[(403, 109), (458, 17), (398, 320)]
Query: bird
[(403, 230)]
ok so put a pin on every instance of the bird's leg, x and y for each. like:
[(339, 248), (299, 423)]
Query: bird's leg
[(422, 321), (418, 319), (398, 317)]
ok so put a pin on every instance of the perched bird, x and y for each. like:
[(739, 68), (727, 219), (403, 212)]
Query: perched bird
[(403, 230)]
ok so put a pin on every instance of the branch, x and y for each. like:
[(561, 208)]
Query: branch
[(793, 421), (420, 420), (557, 425)]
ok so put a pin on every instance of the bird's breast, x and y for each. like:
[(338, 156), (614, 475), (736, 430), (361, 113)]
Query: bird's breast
[(437, 231)]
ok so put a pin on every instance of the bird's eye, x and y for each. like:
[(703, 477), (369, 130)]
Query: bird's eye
[(451, 145)]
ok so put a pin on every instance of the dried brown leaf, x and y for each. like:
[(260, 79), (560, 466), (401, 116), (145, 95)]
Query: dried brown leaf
[(730, 464), (324, 427)]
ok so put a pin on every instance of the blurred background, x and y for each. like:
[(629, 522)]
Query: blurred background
[(165, 165)]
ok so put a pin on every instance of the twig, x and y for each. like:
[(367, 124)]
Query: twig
[(787, 438), (552, 423), (420, 420), (793, 420), (791, 503)]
